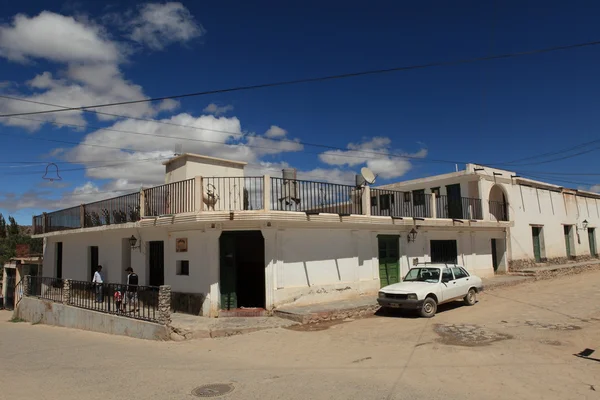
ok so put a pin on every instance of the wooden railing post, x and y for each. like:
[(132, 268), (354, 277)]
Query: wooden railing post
[(198, 194), (44, 222), (267, 192), (142, 203), (366, 200), (82, 216)]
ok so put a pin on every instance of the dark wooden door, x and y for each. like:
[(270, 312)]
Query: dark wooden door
[(454, 201), (156, 263), (11, 276), (494, 255), (444, 251), (592, 240), (389, 259), (537, 248), (94, 260), (228, 276), (59, 257)]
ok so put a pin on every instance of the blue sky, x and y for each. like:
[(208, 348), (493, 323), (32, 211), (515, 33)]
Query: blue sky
[(78, 53)]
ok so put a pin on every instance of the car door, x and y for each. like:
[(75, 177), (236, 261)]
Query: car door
[(461, 278), (448, 285)]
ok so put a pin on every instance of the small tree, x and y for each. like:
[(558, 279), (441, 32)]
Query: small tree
[(13, 229), (2, 227)]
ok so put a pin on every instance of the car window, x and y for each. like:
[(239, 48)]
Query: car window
[(431, 275), (459, 273), (447, 275)]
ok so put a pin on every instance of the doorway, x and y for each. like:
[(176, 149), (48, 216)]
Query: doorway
[(11, 282), (454, 201), (568, 233), (156, 263), (444, 251), (94, 260), (536, 233), (242, 270), (592, 241), (389, 259), (59, 257), (494, 256)]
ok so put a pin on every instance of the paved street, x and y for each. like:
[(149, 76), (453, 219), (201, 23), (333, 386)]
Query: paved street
[(516, 343)]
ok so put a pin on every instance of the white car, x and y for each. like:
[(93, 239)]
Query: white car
[(427, 286)]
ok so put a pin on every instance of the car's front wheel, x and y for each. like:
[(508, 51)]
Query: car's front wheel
[(471, 297), (429, 308)]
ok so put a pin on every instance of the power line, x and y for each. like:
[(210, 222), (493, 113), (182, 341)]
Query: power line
[(299, 142), (322, 78)]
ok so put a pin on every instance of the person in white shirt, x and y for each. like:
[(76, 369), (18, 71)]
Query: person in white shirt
[(97, 281)]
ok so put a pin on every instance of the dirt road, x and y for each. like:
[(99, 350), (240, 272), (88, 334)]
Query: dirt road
[(516, 343)]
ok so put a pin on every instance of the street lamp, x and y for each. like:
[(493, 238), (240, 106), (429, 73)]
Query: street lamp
[(132, 242), (412, 235), (584, 224)]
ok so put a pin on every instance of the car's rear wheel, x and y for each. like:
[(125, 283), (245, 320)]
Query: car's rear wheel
[(471, 297), (429, 308)]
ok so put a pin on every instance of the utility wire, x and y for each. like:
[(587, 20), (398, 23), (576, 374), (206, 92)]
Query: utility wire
[(322, 78), (319, 145)]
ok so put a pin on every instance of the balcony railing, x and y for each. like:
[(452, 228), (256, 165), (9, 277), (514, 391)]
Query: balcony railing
[(62, 220), (225, 194), (233, 193), (315, 197), (458, 208), (172, 198), (499, 210), (117, 210), (400, 204)]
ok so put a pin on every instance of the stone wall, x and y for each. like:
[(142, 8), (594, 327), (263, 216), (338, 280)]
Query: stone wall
[(519, 265)]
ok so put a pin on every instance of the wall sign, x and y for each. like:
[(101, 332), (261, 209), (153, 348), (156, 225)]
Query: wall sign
[(181, 245)]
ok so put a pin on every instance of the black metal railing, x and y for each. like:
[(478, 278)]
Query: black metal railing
[(46, 288), (400, 204), (233, 193), (499, 210), (38, 224), (69, 218), (117, 210), (168, 199), (458, 208), (132, 301), (317, 197)]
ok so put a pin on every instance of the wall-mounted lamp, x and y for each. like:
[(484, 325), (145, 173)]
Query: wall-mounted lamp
[(132, 242), (585, 224), (412, 235)]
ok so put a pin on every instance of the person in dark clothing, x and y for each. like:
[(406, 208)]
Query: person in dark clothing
[(131, 298)]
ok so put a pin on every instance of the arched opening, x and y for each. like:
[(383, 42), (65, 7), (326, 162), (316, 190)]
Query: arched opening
[(498, 203)]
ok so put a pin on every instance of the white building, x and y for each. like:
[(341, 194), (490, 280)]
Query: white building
[(223, 240)]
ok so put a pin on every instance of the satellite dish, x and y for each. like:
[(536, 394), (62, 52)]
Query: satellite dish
[(368, 175)]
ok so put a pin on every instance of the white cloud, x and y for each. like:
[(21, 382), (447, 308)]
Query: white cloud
[(275, 132), (56, 38), (376, 154), (159, 25), (212, 108)]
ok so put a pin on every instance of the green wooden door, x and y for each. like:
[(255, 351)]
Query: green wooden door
[(567, 230), (227, 279), (389, 259), (592, 240), (537, 251)]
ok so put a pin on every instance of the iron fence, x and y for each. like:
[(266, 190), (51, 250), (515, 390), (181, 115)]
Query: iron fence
[(317, 197), (458, 208), (132, 301), (233, 193), (171, 198), (499, 210), (69, 218), (38, 224), (400, 204), (117, 210), (46, 288)]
